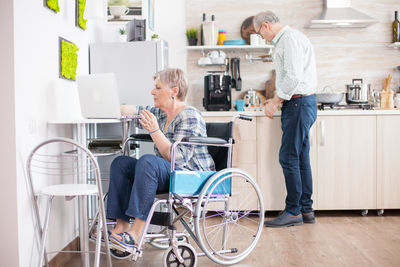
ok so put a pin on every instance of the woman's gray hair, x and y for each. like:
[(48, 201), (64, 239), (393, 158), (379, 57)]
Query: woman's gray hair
[(266, 16), (174, 78)]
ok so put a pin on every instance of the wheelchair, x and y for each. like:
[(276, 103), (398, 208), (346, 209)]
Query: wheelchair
[(221, 211)]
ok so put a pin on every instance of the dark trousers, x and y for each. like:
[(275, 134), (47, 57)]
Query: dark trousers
[(298, 115), (134, 185)]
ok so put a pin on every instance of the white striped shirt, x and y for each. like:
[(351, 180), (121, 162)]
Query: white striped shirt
[(294, 63)]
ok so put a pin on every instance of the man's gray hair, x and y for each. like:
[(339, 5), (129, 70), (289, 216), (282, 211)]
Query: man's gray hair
[(174, 78), (266, 16)]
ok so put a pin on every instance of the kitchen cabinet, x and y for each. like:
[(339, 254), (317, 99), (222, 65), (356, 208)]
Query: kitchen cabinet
[(388, 162), (270, 174), (353, 158), (346, 164), (244, 150)]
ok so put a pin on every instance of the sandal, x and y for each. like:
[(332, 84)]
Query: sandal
[(93, 236), (126, 243)]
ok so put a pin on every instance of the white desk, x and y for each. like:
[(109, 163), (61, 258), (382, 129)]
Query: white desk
[(85, 129)]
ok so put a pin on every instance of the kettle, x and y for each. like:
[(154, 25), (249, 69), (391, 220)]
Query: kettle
[(357, 92), (252, 99)]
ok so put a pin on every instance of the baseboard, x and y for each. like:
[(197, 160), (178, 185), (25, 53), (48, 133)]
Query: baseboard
[(62, 258)]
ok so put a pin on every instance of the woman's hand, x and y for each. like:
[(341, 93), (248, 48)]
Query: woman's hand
[(148, 121)]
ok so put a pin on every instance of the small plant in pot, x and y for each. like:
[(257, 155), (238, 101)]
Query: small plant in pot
[(191, 35), (154, 37), (122, 35)]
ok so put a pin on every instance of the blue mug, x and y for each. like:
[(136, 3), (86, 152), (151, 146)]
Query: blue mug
[(239, 104)]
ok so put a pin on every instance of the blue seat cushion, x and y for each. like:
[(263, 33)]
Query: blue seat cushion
[(191, 183)]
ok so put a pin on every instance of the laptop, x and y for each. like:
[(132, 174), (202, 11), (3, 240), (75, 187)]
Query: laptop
[(98, 96)]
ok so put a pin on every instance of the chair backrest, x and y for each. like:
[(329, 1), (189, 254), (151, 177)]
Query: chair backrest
[(59, 161), (219, 154)]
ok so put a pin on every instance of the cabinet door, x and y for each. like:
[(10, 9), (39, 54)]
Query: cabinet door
[(346, 162), (244, 153), (388, 180), (270, 174)]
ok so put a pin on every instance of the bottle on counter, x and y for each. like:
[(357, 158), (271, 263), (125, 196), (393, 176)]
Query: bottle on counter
[(201, 29), (396, 28)]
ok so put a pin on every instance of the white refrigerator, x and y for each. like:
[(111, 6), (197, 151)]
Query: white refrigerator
[(134, 64)]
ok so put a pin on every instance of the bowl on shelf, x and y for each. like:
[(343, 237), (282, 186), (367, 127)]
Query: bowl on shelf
[(234, 42)]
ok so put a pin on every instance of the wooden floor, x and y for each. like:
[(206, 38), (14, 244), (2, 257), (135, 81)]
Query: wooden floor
[(339, 238)]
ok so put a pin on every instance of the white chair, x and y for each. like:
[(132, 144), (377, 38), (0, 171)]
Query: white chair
[(54, 169)]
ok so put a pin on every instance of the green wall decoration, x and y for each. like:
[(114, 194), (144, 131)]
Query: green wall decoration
[(52, 5), (80, 10), (68, 59)]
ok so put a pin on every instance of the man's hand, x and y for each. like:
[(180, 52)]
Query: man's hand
[(271, 105)]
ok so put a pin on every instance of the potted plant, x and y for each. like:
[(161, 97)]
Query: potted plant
[(122, 35), (191, 35), (154, 37)]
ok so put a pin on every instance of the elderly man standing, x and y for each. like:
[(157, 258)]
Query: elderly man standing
[(296, 80)]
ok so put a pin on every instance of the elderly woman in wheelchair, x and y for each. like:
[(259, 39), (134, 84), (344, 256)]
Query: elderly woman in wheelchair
[(221, 208), (134, 183)]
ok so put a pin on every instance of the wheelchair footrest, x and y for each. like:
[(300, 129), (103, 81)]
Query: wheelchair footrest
[(161, 218)]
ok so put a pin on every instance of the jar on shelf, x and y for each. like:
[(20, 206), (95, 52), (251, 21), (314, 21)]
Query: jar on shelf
[(221, 37)]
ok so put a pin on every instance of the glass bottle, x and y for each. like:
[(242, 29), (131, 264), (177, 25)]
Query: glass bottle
[(396, 28)]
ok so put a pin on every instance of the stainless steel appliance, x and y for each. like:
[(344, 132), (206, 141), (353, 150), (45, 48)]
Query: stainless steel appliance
[(217, 92), (252, 99), (136, 30), (357, 92), (333, 106), (134, 64)]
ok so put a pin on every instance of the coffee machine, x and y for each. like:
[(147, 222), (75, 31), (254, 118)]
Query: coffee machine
[(217, 91)]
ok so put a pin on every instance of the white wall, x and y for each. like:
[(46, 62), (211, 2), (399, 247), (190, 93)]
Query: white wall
[(8, 189), (169, 24), (40, 95)]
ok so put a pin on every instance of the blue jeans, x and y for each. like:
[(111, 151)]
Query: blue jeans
[(134, 185), (298, 115)]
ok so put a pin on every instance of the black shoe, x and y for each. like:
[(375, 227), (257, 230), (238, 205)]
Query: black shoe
[(284, 219), (308, 217)]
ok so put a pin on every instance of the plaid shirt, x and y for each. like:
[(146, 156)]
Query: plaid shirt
[(188, 122)]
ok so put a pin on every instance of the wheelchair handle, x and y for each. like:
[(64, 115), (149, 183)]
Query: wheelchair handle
[(245, 117)]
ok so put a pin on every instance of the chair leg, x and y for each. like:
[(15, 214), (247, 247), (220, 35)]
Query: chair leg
[(42, 253), (38, 227), (98, 245), (103, 223)]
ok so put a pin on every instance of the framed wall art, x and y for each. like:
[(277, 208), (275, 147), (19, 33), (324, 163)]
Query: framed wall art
[(123, 10), (80, 22), (150, 16), (52, 5), (68, 59)]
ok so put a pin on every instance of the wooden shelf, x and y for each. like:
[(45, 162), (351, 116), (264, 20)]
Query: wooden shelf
[(245, 48)]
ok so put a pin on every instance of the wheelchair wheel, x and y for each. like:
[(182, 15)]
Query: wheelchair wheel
[(187, 252), (229, 216)]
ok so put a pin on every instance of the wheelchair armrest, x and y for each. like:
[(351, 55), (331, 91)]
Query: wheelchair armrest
[(141, 137), (205, 140)]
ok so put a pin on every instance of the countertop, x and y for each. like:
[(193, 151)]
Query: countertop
[(342, 112)]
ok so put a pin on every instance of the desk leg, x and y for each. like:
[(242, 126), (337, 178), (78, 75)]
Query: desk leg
[(125, 135), (80, 136)]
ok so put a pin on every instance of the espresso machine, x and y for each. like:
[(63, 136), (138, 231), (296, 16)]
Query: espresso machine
[(217, 90)]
